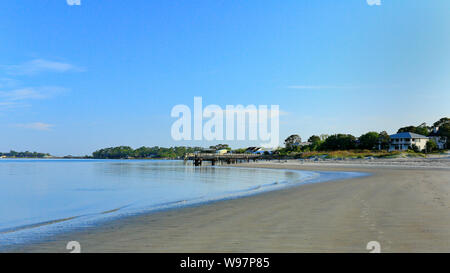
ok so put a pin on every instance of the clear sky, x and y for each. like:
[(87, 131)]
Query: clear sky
[(77, 78)]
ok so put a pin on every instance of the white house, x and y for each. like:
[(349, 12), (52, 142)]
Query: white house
[(258, 150), (440, 141), (404, 141), (222, 151), (252, 150), (298, 144), (264, 151)]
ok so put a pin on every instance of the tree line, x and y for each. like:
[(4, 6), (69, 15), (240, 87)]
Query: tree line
[(26, 154), (143, 152), (369, 140)]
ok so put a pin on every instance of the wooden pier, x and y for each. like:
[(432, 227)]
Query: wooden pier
[(220, 158)]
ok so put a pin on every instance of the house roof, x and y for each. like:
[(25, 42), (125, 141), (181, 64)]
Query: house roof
[(407, 135)]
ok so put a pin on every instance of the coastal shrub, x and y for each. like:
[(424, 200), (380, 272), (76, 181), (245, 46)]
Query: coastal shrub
[(350, 154), (415, 148), (431, 146)]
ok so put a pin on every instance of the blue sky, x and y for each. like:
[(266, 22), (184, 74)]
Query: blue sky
[(77, 78)]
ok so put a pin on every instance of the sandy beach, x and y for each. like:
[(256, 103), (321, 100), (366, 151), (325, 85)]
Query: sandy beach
[(403, 205)]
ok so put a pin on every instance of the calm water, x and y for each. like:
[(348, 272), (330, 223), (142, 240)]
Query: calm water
[(42, 197)]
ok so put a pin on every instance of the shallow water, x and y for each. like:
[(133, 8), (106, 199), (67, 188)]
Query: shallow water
[(39, 198)]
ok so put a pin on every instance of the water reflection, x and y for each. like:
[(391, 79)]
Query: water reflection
[(38, 191)]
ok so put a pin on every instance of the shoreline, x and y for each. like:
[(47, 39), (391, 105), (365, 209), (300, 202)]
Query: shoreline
[(404, 155), (405, 209), (57, 227)]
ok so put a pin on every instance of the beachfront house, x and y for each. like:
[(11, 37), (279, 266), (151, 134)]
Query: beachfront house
[(305, 143), (222, 151), (258, 150), (252, 150), (441, 141), (264, 151), (405, 141)]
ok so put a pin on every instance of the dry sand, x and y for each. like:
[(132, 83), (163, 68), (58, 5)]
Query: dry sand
[(405, 209)]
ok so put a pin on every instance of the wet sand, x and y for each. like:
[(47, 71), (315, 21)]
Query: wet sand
[(405, 209)]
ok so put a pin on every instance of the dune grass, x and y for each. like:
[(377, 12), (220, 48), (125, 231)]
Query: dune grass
[(358, 154)]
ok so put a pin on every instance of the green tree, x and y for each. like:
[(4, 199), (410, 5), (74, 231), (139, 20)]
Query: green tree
[(143, 152), (384, 140), (369, 140), (339, 142), (26, 154), (441, 122), (421, 130), (220, 147), (444, 130), (431, 146), (291, 141), (314, 139), (240, 150)]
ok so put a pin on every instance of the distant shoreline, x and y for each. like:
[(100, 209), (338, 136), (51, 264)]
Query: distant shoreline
[(314, 157), (56, 157)]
